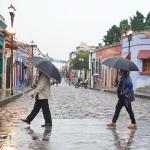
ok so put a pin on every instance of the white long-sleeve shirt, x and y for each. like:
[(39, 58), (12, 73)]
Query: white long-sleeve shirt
[(43, 87)]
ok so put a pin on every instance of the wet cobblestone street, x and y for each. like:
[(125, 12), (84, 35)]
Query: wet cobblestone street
[(79, 123)]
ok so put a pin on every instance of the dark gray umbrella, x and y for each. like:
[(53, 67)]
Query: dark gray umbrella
[(120, 63), (46, 67)]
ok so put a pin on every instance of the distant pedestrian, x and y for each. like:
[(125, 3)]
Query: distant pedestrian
[(125, 87), (69, 81), (79, 79), (56, 82), (41, 94)]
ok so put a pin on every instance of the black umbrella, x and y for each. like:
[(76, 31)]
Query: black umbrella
[(120, 63), (46, 67)]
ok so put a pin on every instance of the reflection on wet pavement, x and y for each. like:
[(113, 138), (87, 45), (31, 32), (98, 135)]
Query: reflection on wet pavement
[(124, 142), (75, 134), (79, 123)]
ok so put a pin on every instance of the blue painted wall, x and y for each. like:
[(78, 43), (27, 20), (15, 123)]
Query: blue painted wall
[(139, 42)]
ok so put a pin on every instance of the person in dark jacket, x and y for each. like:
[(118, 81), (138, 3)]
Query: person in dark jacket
[(125, 86)]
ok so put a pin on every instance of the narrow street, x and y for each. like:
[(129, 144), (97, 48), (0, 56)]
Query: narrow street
[(79, 122)]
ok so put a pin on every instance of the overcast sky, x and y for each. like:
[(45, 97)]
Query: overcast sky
[(58, 26)]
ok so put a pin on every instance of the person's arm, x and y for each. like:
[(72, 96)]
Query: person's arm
[(52, 82), (128, 86), (40, 85)]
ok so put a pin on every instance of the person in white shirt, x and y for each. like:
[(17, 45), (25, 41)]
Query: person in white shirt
[(41, 94)]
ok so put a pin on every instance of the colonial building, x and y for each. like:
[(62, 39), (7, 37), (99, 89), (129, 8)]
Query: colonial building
[(3, 34), (140, 55), (84, 47), (106, 76)]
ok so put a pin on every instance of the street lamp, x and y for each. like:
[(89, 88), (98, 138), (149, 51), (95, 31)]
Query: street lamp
[(69, 75), (81, 60), (70, 59), (12, 11), (129, 36), (32, 46), (91, 68)]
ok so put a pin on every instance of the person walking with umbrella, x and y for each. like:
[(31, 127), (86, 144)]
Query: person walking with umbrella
[(125, 87), (41, 94)]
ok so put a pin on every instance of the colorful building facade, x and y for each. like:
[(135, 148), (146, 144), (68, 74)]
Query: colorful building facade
[(140, 55), (107, 75), (103, 77), (2, 38)]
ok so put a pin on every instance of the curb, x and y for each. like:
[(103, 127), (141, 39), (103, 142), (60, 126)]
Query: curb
[(9, 99), (140, 95)]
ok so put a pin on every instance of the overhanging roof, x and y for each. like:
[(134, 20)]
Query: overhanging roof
[(144, 54)]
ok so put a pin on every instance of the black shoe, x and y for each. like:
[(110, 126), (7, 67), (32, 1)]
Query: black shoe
[(25, 120), (46, 125)]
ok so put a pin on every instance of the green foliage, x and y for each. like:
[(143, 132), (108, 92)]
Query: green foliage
[(137, 23), (147, 22), (113, 35), (81, 61), (124, 26)]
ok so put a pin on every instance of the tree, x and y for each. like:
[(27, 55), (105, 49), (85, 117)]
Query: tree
[(77, 64), (124, 26), (113, 35), (147, 22), (137, 22)]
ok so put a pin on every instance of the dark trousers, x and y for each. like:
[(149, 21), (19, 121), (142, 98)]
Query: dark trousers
[(120, 104), (45, 108)]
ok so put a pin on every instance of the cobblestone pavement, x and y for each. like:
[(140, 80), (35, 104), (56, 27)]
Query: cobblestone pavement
[(79, 123)]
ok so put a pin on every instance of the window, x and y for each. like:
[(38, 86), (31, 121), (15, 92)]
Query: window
[(146, 65), (93, 66), (97, 65), (100, 67)]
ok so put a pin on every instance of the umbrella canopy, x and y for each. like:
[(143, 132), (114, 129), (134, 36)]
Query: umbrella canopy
[(120, 63), (46, 67)]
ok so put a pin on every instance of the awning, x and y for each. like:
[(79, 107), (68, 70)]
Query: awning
[(144, 54), (8, 45)]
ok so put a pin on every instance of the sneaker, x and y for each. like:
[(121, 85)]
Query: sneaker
[(132, 126), (111, 125), (25, 120), (46, 125)]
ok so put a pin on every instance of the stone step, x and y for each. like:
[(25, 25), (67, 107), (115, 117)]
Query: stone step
[(145, 89)]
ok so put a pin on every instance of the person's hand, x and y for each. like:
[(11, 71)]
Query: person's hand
[(32, 95), (114, 83)]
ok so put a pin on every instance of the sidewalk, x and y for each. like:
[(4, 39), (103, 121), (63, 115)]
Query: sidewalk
[(143, 94), (5, 96), (75, 134)]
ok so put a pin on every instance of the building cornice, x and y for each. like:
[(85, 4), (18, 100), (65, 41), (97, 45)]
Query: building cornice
[(109, 46)]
